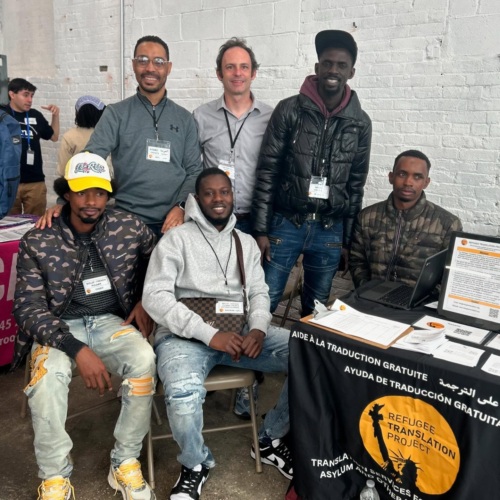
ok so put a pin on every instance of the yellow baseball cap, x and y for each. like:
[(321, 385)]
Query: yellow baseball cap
[(87, 170)]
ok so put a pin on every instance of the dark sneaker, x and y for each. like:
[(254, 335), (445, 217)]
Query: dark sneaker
[(190, 483), (278, 455)]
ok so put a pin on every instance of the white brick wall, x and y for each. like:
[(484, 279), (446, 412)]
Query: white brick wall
[(427, 72)]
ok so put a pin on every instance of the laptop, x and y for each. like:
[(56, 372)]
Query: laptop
[(470, 292), (403, 296)]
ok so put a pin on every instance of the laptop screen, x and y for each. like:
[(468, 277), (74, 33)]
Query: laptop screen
[(470, 292)]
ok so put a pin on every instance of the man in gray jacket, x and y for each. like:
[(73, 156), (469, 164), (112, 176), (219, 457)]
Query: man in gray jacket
[(153, 143), (198, 259)]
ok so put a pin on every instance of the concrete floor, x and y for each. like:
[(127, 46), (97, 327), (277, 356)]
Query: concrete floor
[(92, 435), (234, 477)]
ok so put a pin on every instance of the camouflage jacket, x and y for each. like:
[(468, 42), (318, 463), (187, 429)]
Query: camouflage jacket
[(50, 263), (391, 244)]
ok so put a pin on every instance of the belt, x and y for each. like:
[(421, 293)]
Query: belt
[(242, 216), (315, 217)]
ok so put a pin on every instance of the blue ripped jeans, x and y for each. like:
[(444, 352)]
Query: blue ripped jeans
[(183, 366), (124, 351), (321, 248)]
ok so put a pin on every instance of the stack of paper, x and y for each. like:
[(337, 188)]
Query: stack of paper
[(458, 353), (494, 342), (12, 228), (426, 341), (344, 319), (492, 365), (452, 329)]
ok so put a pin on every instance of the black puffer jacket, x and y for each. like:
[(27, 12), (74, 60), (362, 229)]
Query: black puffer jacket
[(299, 142)]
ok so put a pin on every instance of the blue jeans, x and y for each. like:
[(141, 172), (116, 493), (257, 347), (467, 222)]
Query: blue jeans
[(244, 225), (124, 351), (184, 364), (321, 248)]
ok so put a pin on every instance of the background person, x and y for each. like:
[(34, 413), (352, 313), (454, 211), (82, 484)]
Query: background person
[(32, 192), (88, 111)]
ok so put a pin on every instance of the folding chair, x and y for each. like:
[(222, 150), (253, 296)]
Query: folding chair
[(220, 378)]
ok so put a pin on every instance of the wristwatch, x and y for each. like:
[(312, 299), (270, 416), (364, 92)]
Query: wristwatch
[(181, 205)]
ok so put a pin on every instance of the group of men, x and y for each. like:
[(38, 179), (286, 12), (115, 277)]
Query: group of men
[(290, 181)]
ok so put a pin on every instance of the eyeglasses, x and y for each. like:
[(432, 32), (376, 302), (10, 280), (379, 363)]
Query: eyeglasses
[(158, 62)]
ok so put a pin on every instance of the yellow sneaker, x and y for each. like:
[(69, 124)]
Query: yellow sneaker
[(127, 478), (56, 488)]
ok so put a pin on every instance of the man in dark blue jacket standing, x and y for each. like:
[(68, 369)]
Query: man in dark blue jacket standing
[(312, 169)]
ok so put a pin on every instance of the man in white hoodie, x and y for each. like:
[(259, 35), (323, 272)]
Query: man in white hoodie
[(198, 259)]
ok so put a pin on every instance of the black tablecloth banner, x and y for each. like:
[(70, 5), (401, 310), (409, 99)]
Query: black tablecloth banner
[(421, 428)]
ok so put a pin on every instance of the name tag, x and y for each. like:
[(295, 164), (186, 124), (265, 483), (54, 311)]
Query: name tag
[(228, 167), (228, 307), (30, 157), (96, 285), (31, 120), (318, 188), (158, 150)]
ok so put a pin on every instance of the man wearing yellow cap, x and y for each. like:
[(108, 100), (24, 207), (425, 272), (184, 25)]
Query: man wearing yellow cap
[(77, 305)]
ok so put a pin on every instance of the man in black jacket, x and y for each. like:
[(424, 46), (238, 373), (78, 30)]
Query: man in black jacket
[(312, 169)]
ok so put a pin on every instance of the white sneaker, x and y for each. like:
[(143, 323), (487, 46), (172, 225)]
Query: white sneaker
[(127, 478), (56, 488)]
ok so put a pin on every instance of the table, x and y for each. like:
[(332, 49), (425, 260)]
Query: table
[(8, 261), (420, 427)]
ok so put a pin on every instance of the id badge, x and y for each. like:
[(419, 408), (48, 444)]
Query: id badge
[(228, 167), (96, 285), (30, 157), (158, 150), (318, 188), (228, 307)]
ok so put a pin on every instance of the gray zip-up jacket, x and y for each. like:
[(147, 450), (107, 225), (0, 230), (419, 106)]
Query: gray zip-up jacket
[(184, 265), (146, 188)]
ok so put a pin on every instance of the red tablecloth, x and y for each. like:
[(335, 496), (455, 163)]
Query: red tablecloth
[(8, 327), (8, 262)]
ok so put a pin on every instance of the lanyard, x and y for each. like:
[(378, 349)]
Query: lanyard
[(231, 141), (215, 253), (153, 114), (28, 129)]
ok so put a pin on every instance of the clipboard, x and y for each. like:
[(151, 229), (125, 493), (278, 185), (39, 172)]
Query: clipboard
[(307, 320)]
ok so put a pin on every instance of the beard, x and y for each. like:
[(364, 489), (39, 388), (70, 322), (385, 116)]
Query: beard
[(89, 220), (218, 222)]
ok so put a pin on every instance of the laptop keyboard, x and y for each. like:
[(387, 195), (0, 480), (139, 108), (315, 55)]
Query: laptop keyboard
[(399, 296)]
